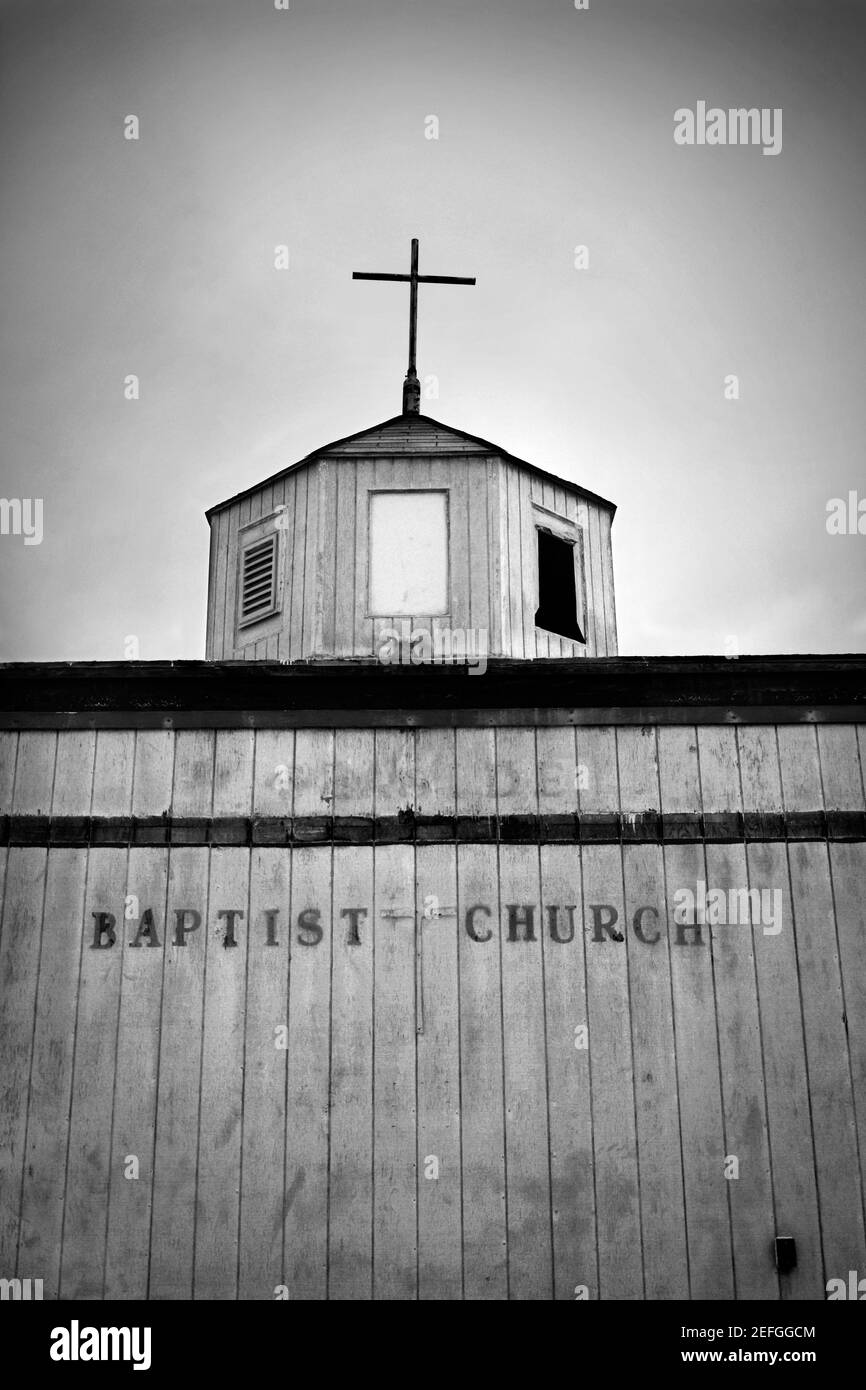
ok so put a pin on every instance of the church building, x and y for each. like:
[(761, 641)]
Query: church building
[(414, 944)]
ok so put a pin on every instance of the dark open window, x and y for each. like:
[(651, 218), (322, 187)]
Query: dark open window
[(557, 591)]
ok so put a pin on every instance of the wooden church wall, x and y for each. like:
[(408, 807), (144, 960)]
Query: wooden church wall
[(310, 1165), (324, 608)]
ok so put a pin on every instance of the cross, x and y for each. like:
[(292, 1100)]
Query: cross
[(411, 385), (432, 912)]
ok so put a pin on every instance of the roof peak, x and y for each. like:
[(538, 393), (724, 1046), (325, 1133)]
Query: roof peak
[(430, 436)]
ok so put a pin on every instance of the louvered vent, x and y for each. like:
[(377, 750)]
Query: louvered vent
[(259, 580)]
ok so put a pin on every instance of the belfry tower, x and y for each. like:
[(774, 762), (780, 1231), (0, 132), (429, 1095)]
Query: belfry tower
[(410, 519)]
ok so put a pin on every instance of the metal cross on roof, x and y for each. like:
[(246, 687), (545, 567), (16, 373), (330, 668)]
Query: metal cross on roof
[(411, 385)]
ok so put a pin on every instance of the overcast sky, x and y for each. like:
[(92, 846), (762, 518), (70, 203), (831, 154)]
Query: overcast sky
[(306, 127)]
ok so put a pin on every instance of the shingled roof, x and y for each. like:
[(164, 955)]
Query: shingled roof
[(412, 434)]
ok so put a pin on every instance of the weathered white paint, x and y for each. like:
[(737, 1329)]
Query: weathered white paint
[(558, 1165), (408, 553), (323, 509)]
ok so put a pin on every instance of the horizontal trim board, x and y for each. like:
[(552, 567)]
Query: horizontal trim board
[(606, 828), (365, 693), (361, 718)]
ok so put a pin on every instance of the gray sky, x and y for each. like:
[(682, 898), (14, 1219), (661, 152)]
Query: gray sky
[(307, 127)]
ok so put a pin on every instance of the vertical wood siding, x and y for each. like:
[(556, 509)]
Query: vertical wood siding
[(412, 1048), (324, 550)]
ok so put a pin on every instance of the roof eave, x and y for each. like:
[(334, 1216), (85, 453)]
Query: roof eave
[(486, 444)]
